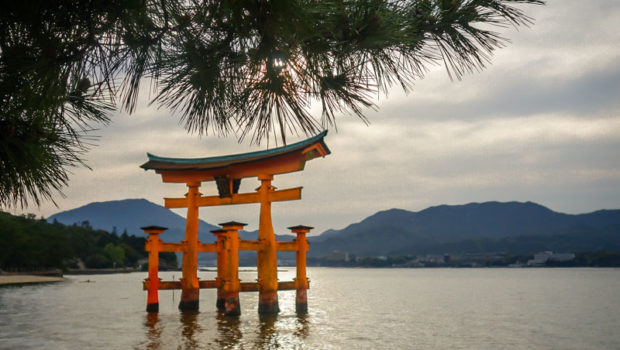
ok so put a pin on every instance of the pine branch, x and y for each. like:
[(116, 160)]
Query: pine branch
[(252, 68)]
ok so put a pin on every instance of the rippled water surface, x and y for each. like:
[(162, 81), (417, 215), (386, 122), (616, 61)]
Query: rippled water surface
[(349, 309)]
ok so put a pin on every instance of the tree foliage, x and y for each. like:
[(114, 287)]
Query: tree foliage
[(252, 68), (26, 242)]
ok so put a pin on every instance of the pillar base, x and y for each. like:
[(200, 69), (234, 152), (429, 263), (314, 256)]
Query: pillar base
[(301, 308), (189, 300), (268, 303), (301, 301), (153, 307), (219, 304), (188, 305), (231, 306)]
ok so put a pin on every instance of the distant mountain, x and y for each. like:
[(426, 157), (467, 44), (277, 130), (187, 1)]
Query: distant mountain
[(475, 227), (471, 227), (577, 239), (131, 214)]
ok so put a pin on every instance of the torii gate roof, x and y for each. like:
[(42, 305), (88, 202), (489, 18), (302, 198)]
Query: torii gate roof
[(267, 162)]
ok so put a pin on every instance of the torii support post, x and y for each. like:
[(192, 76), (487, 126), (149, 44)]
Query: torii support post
[(267, 255), (231, 283), (301, 281), (221, 267), (153, 246), (190, 286)]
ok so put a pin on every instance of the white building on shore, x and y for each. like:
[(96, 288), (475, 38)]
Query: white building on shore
[(540, 259)]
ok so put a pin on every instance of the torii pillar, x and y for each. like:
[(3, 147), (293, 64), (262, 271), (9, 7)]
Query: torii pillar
[(153, 246), (231, 284), (189, 282), (267, 257), (301, 281), (221, 268)]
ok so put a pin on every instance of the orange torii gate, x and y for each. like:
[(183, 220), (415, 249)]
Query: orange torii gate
[(227, 172)]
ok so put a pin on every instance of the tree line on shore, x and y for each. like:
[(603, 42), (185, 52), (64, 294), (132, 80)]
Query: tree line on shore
[(31, 243)]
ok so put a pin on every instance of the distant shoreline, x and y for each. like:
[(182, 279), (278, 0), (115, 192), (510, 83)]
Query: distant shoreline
[(99, 271), (16, 280)]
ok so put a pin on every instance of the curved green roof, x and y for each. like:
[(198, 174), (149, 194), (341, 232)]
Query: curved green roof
[(161, 163)]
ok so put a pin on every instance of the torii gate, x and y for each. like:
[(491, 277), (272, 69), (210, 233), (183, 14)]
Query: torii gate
[(227, 172)]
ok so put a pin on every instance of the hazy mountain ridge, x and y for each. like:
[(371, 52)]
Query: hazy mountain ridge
[(131, 214), (470, 227), (473, 227)]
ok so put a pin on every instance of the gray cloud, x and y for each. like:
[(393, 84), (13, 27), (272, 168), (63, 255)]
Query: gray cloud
[(594, 92)]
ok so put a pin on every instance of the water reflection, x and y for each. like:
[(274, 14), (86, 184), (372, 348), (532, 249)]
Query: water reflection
[(229, 331), (153, 330), (303, 326), (267, 333), (224, 332), (190, 329)]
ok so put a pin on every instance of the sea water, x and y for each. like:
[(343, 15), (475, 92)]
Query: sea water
[(348, 309)]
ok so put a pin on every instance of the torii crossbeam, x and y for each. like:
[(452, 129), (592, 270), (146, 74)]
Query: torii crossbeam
[(227, 172)]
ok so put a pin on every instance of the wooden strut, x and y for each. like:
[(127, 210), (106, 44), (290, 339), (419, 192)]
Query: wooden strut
[(241, 198), (213, 247), (212, 284)]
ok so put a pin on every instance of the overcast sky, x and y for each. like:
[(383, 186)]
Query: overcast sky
[(541, 123)]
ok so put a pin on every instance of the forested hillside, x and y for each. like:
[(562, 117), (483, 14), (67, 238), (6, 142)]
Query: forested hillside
[(514, 227), (27, 242)]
